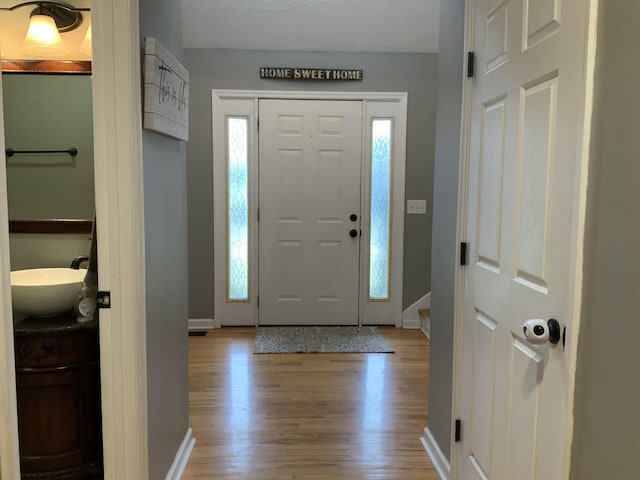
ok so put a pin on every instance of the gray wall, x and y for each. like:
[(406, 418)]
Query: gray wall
[(165, 226), (445, 213), (49, 112), (239, 69), (44, 250), (607, 420)]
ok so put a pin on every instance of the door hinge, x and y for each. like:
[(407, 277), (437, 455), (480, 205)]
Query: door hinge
[(258, 215), (103, 300), (458, 431), (464, 247), (258, 301), (471, 57), (258, 122)]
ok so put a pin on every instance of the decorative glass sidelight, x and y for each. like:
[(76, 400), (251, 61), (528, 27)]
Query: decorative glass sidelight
[(380, 209), (237, 209)]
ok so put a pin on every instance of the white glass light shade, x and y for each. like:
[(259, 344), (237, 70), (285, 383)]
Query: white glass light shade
[(43, 37), (85, 46)]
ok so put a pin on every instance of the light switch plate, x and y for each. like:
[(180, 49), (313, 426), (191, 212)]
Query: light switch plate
[(416, 207)]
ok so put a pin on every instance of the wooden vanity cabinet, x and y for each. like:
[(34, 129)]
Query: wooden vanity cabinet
[(58, 390)]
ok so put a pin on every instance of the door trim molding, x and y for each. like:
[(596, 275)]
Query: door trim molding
[(9, 455), (249, 98), (120, 217), (461, 236), (309, 95)]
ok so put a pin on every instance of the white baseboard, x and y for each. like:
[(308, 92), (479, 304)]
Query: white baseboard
[(425, 326), (411, 323), (182, 457), (201, 324), (438, 459), (411, 317)]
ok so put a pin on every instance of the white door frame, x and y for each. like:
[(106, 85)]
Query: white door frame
[(461, 235), (9, 455), (119, 205), (245, 102)]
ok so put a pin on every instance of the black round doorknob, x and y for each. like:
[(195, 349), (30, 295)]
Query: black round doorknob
[(353, 233), (353, 217)]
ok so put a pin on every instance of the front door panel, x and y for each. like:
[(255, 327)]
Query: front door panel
[(309, 185)]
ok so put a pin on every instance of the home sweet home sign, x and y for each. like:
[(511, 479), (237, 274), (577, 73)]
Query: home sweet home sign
[(326, 74), (166, 92)]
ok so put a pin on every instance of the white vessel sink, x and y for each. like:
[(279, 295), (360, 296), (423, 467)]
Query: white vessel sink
[(45, 292)]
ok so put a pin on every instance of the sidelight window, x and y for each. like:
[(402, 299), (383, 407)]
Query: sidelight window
[(380, 208), (237, 147)]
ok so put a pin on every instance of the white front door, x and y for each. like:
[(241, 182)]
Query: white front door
[(523, 227), (309, 190)]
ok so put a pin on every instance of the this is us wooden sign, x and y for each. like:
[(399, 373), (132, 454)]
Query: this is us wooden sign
[(166, 92), (326, 74)]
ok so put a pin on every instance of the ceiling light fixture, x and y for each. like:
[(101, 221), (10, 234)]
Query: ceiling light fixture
[(86, 45), (48, 20)]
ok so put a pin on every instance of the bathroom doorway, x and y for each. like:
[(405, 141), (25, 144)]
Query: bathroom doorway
[(48, 133), (118, 195)]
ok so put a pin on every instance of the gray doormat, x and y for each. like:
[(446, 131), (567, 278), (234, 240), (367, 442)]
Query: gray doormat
[(320, 339)]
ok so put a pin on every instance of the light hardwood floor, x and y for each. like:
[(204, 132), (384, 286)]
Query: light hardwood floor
[(307, 416)]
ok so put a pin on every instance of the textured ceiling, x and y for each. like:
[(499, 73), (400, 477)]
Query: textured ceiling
[(313, 25)]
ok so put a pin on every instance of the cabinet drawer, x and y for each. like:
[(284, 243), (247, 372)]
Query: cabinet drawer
[(35, 351)]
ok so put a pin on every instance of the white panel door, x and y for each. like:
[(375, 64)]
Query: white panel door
[(523, 228), (309, 187)]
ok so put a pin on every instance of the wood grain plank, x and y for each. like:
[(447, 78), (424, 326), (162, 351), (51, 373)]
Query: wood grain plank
[(308, 416)]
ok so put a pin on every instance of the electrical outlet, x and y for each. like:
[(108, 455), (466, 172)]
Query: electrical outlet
[(416, 207)]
